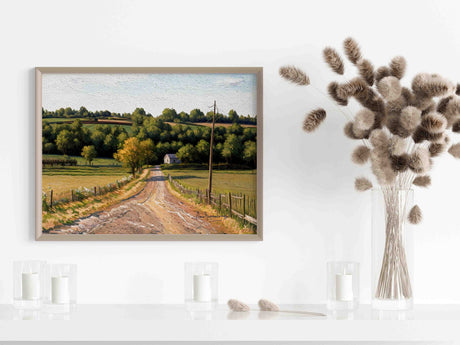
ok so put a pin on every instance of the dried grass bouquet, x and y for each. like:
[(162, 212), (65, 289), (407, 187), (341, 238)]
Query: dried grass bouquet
[(401, 130)]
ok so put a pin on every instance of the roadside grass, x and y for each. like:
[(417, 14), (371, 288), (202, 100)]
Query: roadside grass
[(235, 226), (67, 213)]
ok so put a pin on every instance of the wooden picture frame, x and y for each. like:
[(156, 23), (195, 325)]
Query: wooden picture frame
[(42, 234)]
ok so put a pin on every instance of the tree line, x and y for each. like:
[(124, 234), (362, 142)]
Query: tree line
[(232, 145), (168, 115)]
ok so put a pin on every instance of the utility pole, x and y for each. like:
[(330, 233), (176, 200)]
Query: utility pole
[(210, 154)]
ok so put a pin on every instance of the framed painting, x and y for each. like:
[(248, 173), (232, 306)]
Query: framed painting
[(149, 153)]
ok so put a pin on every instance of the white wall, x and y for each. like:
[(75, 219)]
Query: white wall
[(312, 213)]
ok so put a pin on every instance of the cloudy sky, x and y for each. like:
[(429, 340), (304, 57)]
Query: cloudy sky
[(122, 93)]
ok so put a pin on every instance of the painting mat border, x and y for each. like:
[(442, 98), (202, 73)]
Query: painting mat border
[(40, 236)]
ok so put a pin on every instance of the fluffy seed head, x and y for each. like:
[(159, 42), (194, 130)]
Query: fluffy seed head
[(415, 215), (420, 161), (397, 146), (389, 88), (454, 150), (393, 123), (400, 163), (236, 305), (431, 85), (422, 134), (422, 181), (379, 138), (333, 59), (452, 112), (362, 184), (294, 75), (442, 104), (366, 71), (410, 118), (352, 88), (456, 127), (436, 149), (348, 130), (360, 154), (434, 123), (398, 67), (381, 73), (352, 50), (314, 119), (332, 90), (266, 305), (364, 119)]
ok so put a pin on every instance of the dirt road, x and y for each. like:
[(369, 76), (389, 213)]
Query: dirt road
[(154, 210)]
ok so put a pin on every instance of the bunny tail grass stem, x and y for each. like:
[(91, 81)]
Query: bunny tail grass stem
[(266, 305), (312, 313)]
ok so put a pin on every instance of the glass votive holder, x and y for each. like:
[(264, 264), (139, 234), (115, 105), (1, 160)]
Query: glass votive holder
[(28, 284), (201, 282), (342, 285), (60, 285)]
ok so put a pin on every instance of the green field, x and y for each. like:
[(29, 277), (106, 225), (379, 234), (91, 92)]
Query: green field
[(63, 179), (91, 127), (224, 181), (82, 161)]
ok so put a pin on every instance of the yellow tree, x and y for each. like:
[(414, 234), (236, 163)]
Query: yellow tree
[(130, 154)]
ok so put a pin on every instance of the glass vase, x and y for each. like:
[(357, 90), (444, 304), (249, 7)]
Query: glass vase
[(392, 249)]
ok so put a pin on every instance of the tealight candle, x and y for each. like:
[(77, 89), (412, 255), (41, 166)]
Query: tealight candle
[(202, 291), (30, 286), (344, 287), (60, 290)]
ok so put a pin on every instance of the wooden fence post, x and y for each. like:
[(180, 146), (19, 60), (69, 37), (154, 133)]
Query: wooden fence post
[(51, 198), (244, 207), (220, 201), (95, 190), (230, 203), (208, 197), (71, 193)]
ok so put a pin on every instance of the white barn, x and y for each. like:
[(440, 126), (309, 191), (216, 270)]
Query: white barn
[(170, 158)]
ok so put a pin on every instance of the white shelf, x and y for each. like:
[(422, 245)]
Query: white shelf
[(176, 323)]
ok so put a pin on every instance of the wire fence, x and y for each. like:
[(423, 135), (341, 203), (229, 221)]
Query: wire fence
[(51, 198), (233, 204)]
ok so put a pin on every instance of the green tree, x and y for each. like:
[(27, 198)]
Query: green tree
[(187, 154), (196, 115), (89, 153), (232, 148), (83, 112), (202, 149), (233, 116), (169, 115), (121, 139), (64, 142), (49, 148), (250, 152), (148, 152)]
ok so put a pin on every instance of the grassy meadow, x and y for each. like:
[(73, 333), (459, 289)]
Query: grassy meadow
[(223, 181), (63, 179)]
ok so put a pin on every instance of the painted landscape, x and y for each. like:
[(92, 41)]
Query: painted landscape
[(110, 170)]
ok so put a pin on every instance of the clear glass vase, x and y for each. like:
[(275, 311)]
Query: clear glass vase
[(392, 249)]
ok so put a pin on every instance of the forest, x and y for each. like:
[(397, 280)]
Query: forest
[(149, 137)]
